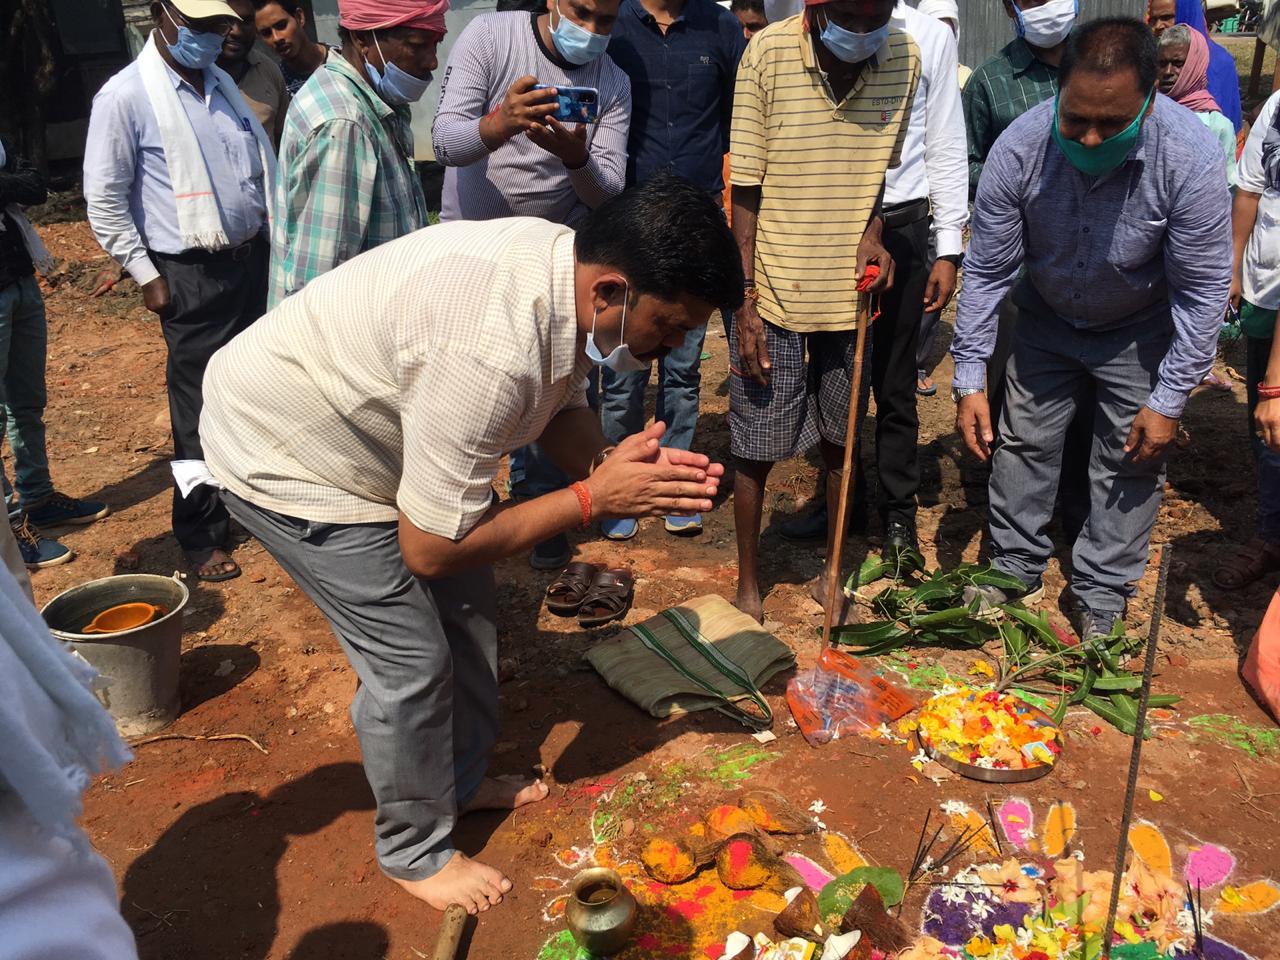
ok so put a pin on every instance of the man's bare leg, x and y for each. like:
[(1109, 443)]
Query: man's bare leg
[(506, 793), (474, 885), (748, 506)]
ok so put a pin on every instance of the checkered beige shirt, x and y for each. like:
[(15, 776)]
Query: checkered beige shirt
[(397, 381)]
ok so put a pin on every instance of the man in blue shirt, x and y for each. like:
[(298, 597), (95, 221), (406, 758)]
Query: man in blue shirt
[(682, 58), (1114, 200)]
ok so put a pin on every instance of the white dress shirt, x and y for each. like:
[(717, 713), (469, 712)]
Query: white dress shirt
[(127, 190), (1261, 268), (934, 155)]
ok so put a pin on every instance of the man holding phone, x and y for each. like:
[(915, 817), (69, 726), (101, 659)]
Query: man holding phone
[(495, 131), (506, 154)]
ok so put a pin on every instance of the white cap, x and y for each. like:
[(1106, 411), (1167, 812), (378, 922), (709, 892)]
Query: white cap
[(203, 9)]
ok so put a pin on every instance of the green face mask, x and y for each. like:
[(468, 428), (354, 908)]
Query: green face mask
[(1107, 155)]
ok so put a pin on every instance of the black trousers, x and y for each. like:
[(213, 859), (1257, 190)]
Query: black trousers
[(895, 338), (212, 297)]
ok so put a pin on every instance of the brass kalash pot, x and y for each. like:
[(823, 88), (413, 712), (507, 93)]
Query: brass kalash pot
[(602, 912)]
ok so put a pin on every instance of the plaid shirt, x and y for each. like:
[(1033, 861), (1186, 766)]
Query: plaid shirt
[(1000, 91), (346, 180)]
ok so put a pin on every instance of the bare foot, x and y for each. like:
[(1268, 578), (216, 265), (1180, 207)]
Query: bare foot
[(845, 612), (748, 601), (507, 793), (464, 881)]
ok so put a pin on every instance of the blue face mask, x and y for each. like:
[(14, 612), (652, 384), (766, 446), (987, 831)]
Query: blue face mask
[(620, 359), (396, 87), (852, 47), (577, 44), (195, 51)]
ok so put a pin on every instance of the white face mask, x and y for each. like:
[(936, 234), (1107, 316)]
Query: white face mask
[(620, 359), (1048, 25)]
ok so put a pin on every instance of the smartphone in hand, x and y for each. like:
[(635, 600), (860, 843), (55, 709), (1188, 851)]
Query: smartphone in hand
[(575, 104)]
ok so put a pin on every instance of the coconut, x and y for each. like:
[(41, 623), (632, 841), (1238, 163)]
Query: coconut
[(743, 863), (868, 914), (670, 861), (800, 917), (772, 811), (738, 946)]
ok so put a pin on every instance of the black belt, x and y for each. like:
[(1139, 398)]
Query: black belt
[(898, 215), (235, 254)]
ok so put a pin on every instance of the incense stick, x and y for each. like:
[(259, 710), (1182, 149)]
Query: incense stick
[(915, 859), (995, 835)]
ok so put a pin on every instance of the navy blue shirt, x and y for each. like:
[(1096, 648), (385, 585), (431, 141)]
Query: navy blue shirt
[(681, 89)]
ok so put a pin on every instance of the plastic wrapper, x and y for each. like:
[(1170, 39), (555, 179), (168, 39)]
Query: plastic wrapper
[(841, 696)]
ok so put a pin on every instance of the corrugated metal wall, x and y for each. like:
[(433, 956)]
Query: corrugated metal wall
[(985, 27)]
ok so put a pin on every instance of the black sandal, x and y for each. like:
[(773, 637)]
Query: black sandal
[(202, 558), (566, 593), (609, 597)]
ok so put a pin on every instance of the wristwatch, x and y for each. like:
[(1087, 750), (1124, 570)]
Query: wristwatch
[(959, 393)]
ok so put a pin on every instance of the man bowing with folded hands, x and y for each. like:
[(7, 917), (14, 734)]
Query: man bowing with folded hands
[(358, 427)]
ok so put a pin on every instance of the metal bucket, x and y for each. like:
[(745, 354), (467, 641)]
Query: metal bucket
[(142, 663)]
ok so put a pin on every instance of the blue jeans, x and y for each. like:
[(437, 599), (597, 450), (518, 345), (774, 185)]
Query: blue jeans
[(1257, 352), (679, 376), (24, 336), (1054, 370)]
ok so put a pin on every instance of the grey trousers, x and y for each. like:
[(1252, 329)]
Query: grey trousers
[(1050, 374), (426, 654)]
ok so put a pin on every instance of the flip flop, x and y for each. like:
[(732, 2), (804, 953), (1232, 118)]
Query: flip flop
[(198, 558), (566, 592), (1252, 562), (608, 598)]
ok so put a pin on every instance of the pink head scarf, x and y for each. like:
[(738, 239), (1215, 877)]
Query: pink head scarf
[(383, 14), (1191, 89)]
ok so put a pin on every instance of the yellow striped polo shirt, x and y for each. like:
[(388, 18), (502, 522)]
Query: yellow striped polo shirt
[(820, 166)]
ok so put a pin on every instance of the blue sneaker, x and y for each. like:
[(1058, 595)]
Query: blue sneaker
[(684, 526), (38, 551), (619, 529), (58, 508)]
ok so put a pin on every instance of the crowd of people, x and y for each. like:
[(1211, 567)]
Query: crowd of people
[(345, 383)]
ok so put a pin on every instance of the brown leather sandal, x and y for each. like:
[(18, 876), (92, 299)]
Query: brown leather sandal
[(567, 591), (1251, 562), (609, 597)]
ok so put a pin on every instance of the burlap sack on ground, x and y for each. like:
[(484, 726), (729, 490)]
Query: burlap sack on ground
[(732, 657)]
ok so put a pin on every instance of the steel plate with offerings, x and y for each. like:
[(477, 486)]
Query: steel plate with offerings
[(989, 736)]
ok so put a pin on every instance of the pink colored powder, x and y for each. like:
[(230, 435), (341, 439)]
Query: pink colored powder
[(814, 877), (1208, 866), (1017, 819)]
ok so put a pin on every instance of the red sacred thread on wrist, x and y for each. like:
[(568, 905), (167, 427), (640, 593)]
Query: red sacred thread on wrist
[(584, 500), (1268, 393)]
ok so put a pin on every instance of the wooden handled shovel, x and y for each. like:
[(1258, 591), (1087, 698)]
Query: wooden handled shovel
[(834, 557), (455, 919)]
